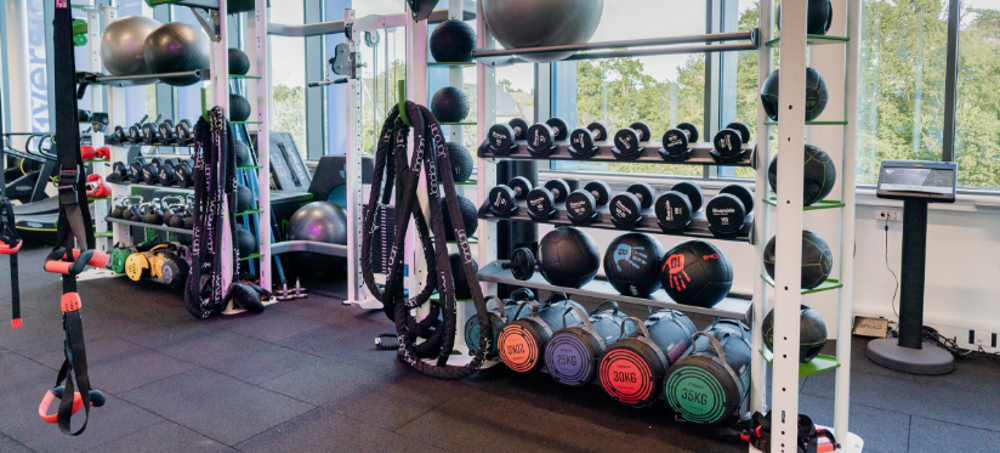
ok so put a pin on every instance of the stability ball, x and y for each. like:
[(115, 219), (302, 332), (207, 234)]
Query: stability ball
[(533, 23), (177, 47), (122, 45), (319, 221)]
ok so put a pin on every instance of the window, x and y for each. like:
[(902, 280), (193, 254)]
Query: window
[(977, 122)]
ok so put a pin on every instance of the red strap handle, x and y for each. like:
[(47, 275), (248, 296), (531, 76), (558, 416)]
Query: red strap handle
[(55, 265), (5, 248), (97, 399)]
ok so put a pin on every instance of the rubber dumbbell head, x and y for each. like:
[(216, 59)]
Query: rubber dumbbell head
[(183, 131), (559, 127), (541, 204), (502, 201), (521, 187), (628, 141), (677, 142), (743, 129), (502, 140), (729, 209), (582, 204), (728, 143), (520, 127), (674, 209), (151, 173), (644, 192), (522, 264), (583, 142), (165, 175), (541, 141), (182, 175), (560, 189)]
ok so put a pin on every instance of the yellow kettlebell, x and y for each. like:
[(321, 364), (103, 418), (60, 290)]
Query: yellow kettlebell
[(140, 265)]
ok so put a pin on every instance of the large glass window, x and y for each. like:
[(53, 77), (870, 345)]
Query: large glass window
[(288, 77), (977, 122)]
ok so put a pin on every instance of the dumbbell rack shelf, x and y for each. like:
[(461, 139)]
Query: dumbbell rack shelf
[(812, 123), (823, 204), (153, 186), (827, 285), (173, 144), (735, 306), (149, 226), (821, 363), (700, 154), (648, 223)]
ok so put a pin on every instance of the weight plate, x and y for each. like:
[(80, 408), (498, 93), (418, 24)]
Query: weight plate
[(692, 131), (522, 264), (560, 129), (728, 143), (676, 143), (693, 192), (673, 210), (742, 129), (520, 127), (600, 190), (725, 213), (580, 206), (521, 187), (644, 192), (501, 199), (627, 142), (741, 192), (541, 204), (560, 189), (626, 210), (541, 140)]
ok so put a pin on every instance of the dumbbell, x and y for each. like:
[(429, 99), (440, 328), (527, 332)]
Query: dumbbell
[(677, 142), (728, 211), (135, 169), (628, 141), (118, 137), (166, 131), (135, 131), (626, 208), (542, 200), (166, 173), (675, 208), (503, 198), (542, 138), (503, 137), (522, 263), (583, 142), (182, 174), (729, 143), (183, 132), (151, 131), (582, 204), (151, 171)]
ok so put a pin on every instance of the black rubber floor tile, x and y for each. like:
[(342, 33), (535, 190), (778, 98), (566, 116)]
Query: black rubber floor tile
[(163, 437), (270, 326), (116, 365), (591, 404), (536, 389), (882, 430), (971, 375), (548, 431), (321, 430), (932, 436), (160, 336), (235, 355), (861, 363), (350, 343), (9, 445), (215, 405), (40, 335)]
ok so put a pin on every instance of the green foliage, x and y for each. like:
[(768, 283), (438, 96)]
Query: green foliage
[(289, 113)]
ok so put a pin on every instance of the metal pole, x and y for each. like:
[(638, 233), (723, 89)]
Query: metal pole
[(17, 67), (260, 52), (951, 81)]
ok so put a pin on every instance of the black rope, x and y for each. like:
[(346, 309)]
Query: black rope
[(894, 277)]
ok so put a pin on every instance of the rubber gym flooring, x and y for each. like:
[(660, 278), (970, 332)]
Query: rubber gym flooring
[(304, 377)]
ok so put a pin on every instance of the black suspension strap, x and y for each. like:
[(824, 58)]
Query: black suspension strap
[(10, 241)]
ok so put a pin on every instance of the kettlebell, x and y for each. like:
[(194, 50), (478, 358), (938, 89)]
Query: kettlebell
[(135, 212), (177, 216), (153, 213), (189, 218), (166, 203)]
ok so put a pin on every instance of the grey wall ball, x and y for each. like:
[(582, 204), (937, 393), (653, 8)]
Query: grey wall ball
[(122, 43), (533, 23), (177, 47)]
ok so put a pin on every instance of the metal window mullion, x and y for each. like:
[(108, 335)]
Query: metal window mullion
[(315, 67), (486, 89), (165, 94), (951, 81)]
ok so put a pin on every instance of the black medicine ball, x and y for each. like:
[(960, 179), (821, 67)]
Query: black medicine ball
[(461, 162), (450, 105), (817, 259), (696, 273), (244, 198), (568, 257), (462, 290), (453, 42), (242, 154), (820, 17), (468, 210), (239, 108), (632, 264), (812, 333), (819, 175), (239, 63), (245, 241), (816, 95)]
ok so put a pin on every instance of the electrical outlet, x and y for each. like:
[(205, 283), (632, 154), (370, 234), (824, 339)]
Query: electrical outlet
[(984, 339), (894, 216)]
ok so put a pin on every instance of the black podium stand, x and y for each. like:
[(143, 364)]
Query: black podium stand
[(917, 183)]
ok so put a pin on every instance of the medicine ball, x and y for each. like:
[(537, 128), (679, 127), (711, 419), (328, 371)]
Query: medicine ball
[(245, 240), (239, 63), (696, 273), (462, 290), (812, 333), (816, 95), (319, 221), (522, 342), (242, 154), (819, 175), (239, 108), (817, 259), (469, 219), (453, 42), (568, 257), (632, 264), (704, 389), (450, 105), (177, 47), (573, 353), (244, 198), (820, 17), (461, 162), (122, 45)]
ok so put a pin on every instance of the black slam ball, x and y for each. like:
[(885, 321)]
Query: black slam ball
[(817, 259), (469, 219), (462, 289), (245, 241), (816, 95), (696, 273), (820, 17), (244, 198), (239, 63), (239, 108), (242, 154), (450, 105), (812, 333), (461, 162), (568, 257), (819, 175), (453, 42), (632, 264)]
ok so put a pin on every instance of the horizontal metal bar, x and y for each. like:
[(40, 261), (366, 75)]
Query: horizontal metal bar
[(662, 51), (672, 40), (149, 226), (335, 27), (111, 79), (309, 246)]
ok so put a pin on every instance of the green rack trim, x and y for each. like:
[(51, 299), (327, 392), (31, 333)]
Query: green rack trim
[(459, 124), (825, 286), (251, 256), (822, 204), (249, 167), (815, 366), (249, 212), (812, 123), (814, 40), (98, 199), (240, 76), (462, 64), (467, 183), (247, 122), (96, 161), (106, 234)]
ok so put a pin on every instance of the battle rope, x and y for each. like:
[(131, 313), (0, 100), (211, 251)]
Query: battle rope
[(214, 183), (430, 154)]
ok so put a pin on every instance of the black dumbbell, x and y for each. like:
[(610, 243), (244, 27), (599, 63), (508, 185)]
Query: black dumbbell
[(542, 200), (118, 137), (583, 142), (626, 208), (166, 175), (677, 142), (119, 173), (135, 131), (151, 131), (728, 211), (542, 138), (522, 263), (503, 198), (135, 169), (182, 174), (628, 141), (675, 208), (502, 140), (728, 143), (183, 132), (151, 171), (167, 132), (582, 204)]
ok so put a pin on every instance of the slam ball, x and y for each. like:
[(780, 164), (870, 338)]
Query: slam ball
[(461, 162), (239, 108), (533, 23), (239, 62), (244, 198), (817, 259), (696, 273), (177, 47), (453, 42), (450, 105), (122, 45), (568, 257), (246, 242), (819, 175), (816, 95), (632, 264), (812, 333), (820, 17), (469, 219)]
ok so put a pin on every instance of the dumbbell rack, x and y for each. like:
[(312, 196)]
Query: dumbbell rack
[(700, 154)]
